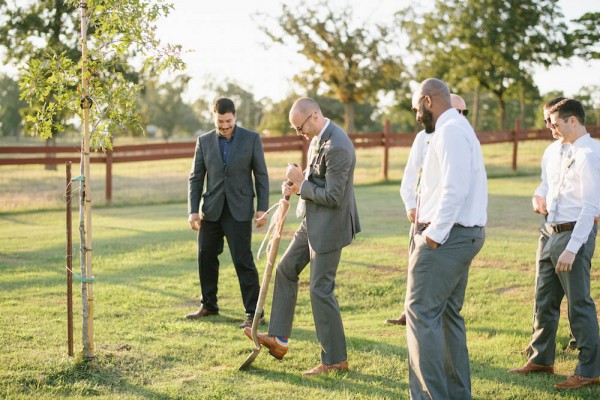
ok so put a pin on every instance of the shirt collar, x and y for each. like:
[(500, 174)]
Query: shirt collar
[(320, 135), (446, 116)]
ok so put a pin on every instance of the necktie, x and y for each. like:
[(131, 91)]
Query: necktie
[(301, 207)]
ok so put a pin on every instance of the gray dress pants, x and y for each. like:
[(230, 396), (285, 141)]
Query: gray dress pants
[(437, 345), (325, 307)]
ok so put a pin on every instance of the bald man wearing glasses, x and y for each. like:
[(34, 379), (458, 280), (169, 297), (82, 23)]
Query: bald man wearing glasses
[(410, 181)]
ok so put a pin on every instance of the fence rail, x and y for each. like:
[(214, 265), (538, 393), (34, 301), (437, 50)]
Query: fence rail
[(14, 155)]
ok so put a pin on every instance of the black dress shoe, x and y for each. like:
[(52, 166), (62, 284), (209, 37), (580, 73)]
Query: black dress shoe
[(202, 312)]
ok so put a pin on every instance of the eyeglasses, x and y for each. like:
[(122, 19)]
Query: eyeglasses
[(464, 112), (418, 103), (555, 125), (547, 122), (299, 128)]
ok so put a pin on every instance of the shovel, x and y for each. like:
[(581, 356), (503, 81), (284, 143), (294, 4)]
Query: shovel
[(284, 205)]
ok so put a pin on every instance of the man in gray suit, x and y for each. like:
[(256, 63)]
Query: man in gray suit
[(450, 218), (330, 222), (226, 159)]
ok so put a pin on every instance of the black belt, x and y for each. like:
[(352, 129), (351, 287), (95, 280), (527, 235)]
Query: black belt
[(566, 227)]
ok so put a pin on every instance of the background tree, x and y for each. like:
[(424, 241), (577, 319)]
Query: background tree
[(486, 44), (162, 106), (585, 38), (348, 62), (10, 117)]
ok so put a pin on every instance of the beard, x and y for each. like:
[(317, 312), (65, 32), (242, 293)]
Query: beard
[(427, 120)]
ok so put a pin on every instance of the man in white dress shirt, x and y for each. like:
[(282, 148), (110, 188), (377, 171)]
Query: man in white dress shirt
[(567, 245), (550, 173), (451, 216), (410, 181)]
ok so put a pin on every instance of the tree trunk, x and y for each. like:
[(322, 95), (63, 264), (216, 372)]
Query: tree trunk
[(51, 142), (475, 107), (502, 116), (86, 200), (349, 117)]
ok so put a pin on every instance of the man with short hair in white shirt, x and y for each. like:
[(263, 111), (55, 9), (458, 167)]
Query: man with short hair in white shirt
[(550, 173), (451, 216), (567, 244), (410, 181)]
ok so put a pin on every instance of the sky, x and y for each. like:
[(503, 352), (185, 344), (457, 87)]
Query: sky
[(225, 43)]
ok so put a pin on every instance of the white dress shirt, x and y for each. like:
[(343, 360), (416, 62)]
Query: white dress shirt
[(453, 188), (579, 190), (410, 178), (550, 168)]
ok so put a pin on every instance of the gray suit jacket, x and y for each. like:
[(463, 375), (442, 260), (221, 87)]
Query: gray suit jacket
[(246, 158), (331, 213)]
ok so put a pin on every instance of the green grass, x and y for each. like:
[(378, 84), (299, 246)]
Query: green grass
[(146, 281), (31, 187)]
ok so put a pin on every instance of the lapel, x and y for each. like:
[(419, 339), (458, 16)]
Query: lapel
[(214, 147)]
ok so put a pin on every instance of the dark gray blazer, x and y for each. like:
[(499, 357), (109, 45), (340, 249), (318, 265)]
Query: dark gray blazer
[(246, 158), (331, 213)]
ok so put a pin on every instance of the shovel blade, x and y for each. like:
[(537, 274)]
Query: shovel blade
[(250, 359)]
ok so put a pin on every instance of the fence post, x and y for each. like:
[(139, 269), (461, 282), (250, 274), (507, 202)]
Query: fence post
[(386, 148), (516, 142), (108, 189)]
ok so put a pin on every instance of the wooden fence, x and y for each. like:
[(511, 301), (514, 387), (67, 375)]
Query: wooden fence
[(14, 155)]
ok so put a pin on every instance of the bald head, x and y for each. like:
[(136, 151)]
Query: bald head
[(457, 102), (306, 117), (305, 105)]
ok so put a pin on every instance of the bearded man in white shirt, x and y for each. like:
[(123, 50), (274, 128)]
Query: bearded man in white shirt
[(410, 181), (567, 244), (450, 218)]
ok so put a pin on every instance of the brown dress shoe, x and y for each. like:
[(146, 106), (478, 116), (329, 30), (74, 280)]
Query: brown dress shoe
[(576, 381), (325, 368), (399, 321), (275, 349), (532, 368), (202, 312)]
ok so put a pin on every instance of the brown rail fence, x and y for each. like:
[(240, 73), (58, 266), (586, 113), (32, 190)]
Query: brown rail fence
[(21, 155)]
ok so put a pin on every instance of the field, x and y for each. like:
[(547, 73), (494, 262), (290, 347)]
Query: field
[(146, 281)]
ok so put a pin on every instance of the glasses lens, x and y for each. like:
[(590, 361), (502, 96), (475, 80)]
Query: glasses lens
[(465, 112)]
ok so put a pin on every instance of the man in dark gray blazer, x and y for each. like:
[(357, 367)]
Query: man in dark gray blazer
[(220, 204), (329, 224)]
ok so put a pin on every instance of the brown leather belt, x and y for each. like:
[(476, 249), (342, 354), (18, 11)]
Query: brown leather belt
[(567, 226)]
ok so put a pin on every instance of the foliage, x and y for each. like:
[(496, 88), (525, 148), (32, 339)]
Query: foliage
[(349, 62), (585, 39), (43, 36), (487, 44), (162, 106), (10, 117)]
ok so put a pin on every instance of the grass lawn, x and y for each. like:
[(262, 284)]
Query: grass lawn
[(146, 281)]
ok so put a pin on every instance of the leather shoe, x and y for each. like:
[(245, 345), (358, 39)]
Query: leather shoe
[(248, 322), (325, 368), (399, 321), (202, 312), (532, 368), (577, 381), (275, 349)]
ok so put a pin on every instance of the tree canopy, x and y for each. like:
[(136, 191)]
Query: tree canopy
[(486, 43), (349, 62)]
